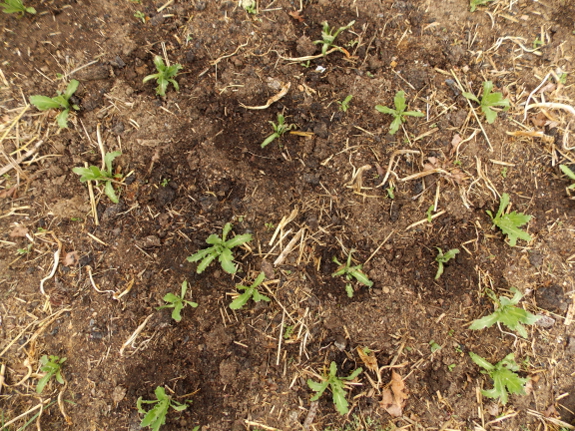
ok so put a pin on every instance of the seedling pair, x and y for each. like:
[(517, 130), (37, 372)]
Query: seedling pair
[(344, 106), (444, 258), (61, 101), (220, 249), (351, 272), (52, 366), (177, 302), (93, 173), (398, 113), (488, 101), (279, 129), (510, 223), (16, 6), (249, 292), (165, 76), (156, 417), (337, 386), (328, 36), (507, 313)]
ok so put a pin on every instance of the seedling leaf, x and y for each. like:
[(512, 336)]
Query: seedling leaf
[(510, 223), (444, 258), (164, 76), (489, 100), (398, 113), (52, 366), (177, 302), (351, 272), (565, 169), (43, 103), (507, 313), (249, 292), (156, 417), (336, 385), (505, 380)]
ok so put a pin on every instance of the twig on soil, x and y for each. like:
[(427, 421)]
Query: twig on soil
[(284, 90), (311, 57), (554, 421), (417, 223), (56, 262), (289, 247), (552, 105), (283, 223), (135, 334), (310, 415), (61, 405), (379, 247), (2, 371), (20, 159), (257, 424), (280, 338), (36, 407), (473, 111), (389, 166)]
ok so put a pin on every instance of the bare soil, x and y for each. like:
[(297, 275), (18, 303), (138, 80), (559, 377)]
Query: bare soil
[(192, 162)]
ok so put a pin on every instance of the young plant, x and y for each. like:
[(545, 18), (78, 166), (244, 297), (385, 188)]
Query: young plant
[(474, 3), (221, 249), (250, 6), (503, 375), (351, 272), (344, 106), (279, 130), (565, 169), (61, 101), (93, 173), (507, 313), (337, 386), (398, 113), (328, 36), (489, 100), (249, 292), (177, 302), (510, 223), (444, 258), (156, 417), (165, 76), (52, 366), (16, 6)]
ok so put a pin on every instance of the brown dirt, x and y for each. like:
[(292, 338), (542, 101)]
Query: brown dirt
[(195, 163)]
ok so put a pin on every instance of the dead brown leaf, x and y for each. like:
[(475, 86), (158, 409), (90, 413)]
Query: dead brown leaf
[(394, 396), (19, 231), (72, 258), (296, 14), (368, 359), (8, 193)]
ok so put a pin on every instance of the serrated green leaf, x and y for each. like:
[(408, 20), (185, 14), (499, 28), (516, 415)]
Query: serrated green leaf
[(394, 126), (110, 192), (565, 169), (159, 63), (484, 322), (205, 263), (319, 388), (201, 254), (339, 400), (470, 96), (238, 240), (241, 300), (399, 101), (490, 114), (257, 297), (481, 362), (176, 313), (71, 89), (44, 103), (414, 114), (386, 110), (109, 158), (63, 119), (150, 77), (361, 277), (162, 86)]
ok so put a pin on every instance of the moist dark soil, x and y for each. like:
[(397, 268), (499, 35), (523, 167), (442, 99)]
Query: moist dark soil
[(192, 161)]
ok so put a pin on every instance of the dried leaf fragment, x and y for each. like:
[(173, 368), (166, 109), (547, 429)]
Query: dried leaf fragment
[(394, 396), (296, 14), (19, 231), (368, 358), (71, 258)]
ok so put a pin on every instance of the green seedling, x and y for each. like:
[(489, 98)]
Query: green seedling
[(328, 36), (177, 302), (344, 106), (434, 346), (140, 16), (16, 6), (351, 272), (337, 386), (398, 113), (489, 100), (165, 76), (444, 258), (511, 222), (249, 292), (279, 130), (221, 249), (93, 173), (429, 213), (390, 192), (570, 174), (250, 6), (61, 101), (52, 366), (474, 3), (505, 380), (156, 417), (507, 313)]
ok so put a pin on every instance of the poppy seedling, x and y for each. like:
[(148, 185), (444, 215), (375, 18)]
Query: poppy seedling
[(351, 272), (398, 113), (16, 6), (177, 302), (165, 76), (61, 101), (279, 129), (337, 386), (328, 36), (249, 292)]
